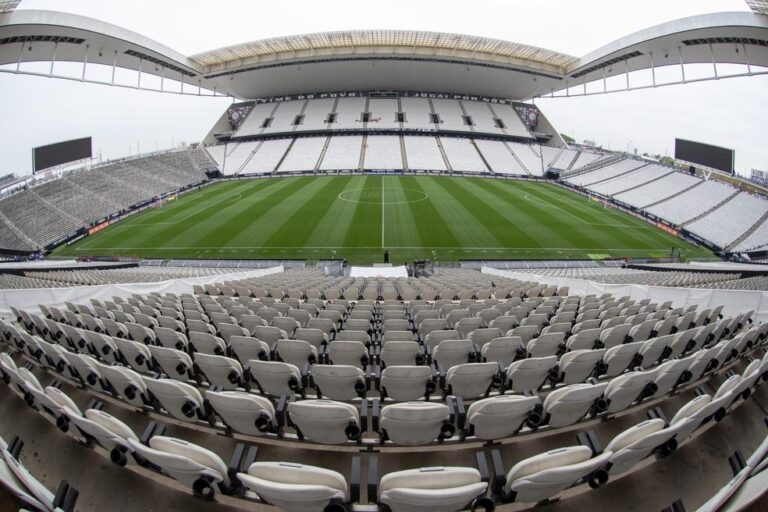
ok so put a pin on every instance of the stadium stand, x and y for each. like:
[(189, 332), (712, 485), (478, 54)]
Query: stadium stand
[(423, 153), (383, 114), (758, 239), (284, 117), (728, 222), (316, 115), (585, 179), (265, 157), (304, 154), (462, 155), (694, 202), (382, 152), (629, 180), (342, 152), (482, 117), (658, 190), (349, 112), (499, 157), (451, 116), (38, 216), (528, 157), (418, 114)]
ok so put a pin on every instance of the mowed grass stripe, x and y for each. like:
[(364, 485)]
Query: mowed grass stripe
[(298, 228), (365, 229), (431, 227), (231, 219), (622, 227), (400, 227), (465, 227), (334, 224)]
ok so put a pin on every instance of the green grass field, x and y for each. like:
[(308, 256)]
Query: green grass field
[(440, 218)]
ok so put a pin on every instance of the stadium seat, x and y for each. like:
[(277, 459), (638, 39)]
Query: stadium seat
[(471, 380), (220, 371), (530, 374), (182, 401), (439, 489), (295, 487), (568, 405), (545, 475), (339, 382), (276, 378), (415, 423), (194, 466), (352, 353), (325, 421), (502, 416), (636, 443), (407, 383), (578, 365), (245, 413)]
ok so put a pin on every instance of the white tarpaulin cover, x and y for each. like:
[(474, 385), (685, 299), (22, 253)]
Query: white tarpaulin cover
[(28, 299), (733, 301), (378, 272)]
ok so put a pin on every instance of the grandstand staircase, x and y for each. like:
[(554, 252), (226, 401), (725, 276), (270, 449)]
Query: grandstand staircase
[(66, 215), (575, 157), (673, 196), (192, 160), (17, 231), (442, 152), (593, 166), (323, 152), (701, 216), (361, 161), (403, 153), (746, 235), (644, 183), (519, 162), (482, 156), (616, 176), (245, 162), (287, 150)]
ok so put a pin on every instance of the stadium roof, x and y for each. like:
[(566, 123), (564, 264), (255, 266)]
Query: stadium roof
[(759, 6), (8, 5), (376, 60), (363, 41)]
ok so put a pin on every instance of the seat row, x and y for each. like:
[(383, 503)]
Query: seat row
[(408, 423), (299, 487)]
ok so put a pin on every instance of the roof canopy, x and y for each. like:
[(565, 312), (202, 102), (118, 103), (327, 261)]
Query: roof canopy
[(376, 60)]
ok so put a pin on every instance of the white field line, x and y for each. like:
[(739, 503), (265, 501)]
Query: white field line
[(382, 213), (299, 247)]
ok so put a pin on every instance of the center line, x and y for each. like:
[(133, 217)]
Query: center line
[(382, 213)]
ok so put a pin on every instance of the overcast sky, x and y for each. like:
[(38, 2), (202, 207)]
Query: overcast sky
[(36, 111)]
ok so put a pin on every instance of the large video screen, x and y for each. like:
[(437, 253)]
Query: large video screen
[(705, 154), (52, 155)]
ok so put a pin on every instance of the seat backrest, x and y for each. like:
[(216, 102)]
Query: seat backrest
[(529, 374), (413, 423), (405, 383)]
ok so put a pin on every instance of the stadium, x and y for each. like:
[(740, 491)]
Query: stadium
[(383, 280)]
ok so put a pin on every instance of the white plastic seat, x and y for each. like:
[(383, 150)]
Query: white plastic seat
[(642, 331), (325, 421), (339, 382), (546, 345), (449, 353), (268, 335), (352, 353), (245, 413), (613, 336), (621, 357), (170, 338), (471, 380), (501, 416), (568, 405), (401, 353), (136, 354), (636, 443), (404, 383), (545, 475), (224, 372), (125, 383), (415, 423), (465, 326), (350, 335), (182, 401), (276, 378), (626, 389), (669, 375), (437, 489), (103, 346), (84, 367), (247, 349), (174, 363), (654, 349), (294, 487), (390, 336), (530, 374), (688, 418), (578, 365), (296, 352), (192, 465), (106, 430), (503, 350), (207, 343), (481, 337), (584, 339)]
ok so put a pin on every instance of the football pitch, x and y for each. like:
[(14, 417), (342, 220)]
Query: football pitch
[(359, 217)]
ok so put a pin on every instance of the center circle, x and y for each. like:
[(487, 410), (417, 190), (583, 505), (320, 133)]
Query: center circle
[(411, 195)]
